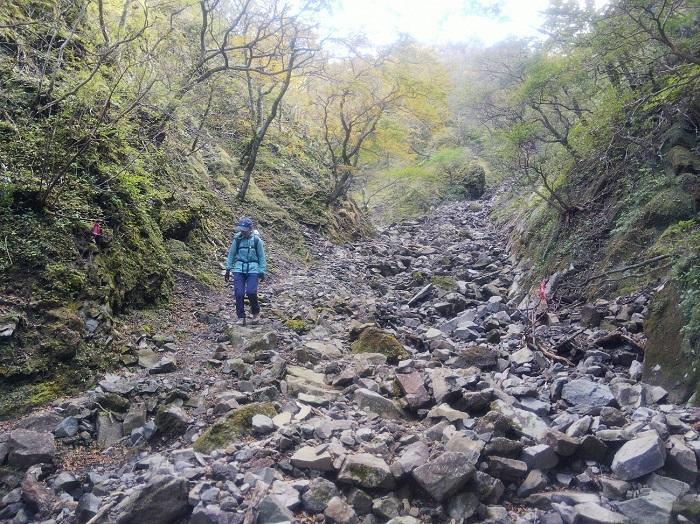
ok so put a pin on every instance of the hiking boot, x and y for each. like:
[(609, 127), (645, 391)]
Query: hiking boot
[(240, 322), (255, 319)]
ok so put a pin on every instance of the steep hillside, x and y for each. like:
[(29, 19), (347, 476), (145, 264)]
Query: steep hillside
[(84, 143)]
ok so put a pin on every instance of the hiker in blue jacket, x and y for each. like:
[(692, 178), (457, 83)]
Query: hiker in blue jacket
[(246, 258)]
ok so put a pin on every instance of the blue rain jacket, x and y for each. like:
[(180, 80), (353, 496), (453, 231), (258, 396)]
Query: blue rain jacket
[(246, 259)]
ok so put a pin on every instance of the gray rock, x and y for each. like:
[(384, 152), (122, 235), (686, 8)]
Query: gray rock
[(388, 507), (613, 489), (172, 420), (262, 424), (109, 430), (445, 475), (68, 427), (534, 482), (592, 513), (166, 364), (674, 487), (459, 442), (540, 456), (162, 500), (462, 506), (88, 506), (413, 387), (522, 421), (359, 500), (272, 510), (66, 481), (309, 458), (29, 447), (506, 469), (681, 462), (316, 497), (638, 457), (376, 403), (366, 471), (586, 393), (339, 512), (413, 456), (655, 507)]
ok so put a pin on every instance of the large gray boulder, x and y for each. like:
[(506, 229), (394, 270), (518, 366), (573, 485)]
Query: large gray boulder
[(445, 475), (29, 447), (639, 457)]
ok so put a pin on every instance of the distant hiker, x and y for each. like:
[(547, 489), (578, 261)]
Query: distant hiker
[(246, 258)]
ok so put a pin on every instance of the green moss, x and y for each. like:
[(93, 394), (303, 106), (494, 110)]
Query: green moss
[(46, 392), (297, 325), (667, 207), (444, 282), (232, 427), (375, 340)]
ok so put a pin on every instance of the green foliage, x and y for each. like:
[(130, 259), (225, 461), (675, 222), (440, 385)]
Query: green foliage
[(298, 325)]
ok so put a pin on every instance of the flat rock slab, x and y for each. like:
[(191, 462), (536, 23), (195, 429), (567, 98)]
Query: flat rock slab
[(309, 458)]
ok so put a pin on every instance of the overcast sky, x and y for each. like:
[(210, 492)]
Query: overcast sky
[(436, 21)]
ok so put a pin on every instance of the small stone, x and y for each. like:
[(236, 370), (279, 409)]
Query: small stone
[(262, 424), (339, 512)]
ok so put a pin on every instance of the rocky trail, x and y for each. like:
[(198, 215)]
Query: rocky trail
[(417, 387)]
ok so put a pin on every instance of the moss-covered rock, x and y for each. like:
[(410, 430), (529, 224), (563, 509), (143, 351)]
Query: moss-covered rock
[(668, 206), (667, 358), (375, 340), (473, 181), (680, 160), (444, 282), (232, 427)]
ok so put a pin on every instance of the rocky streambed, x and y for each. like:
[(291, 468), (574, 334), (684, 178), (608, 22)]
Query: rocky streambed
[(401, 380)]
